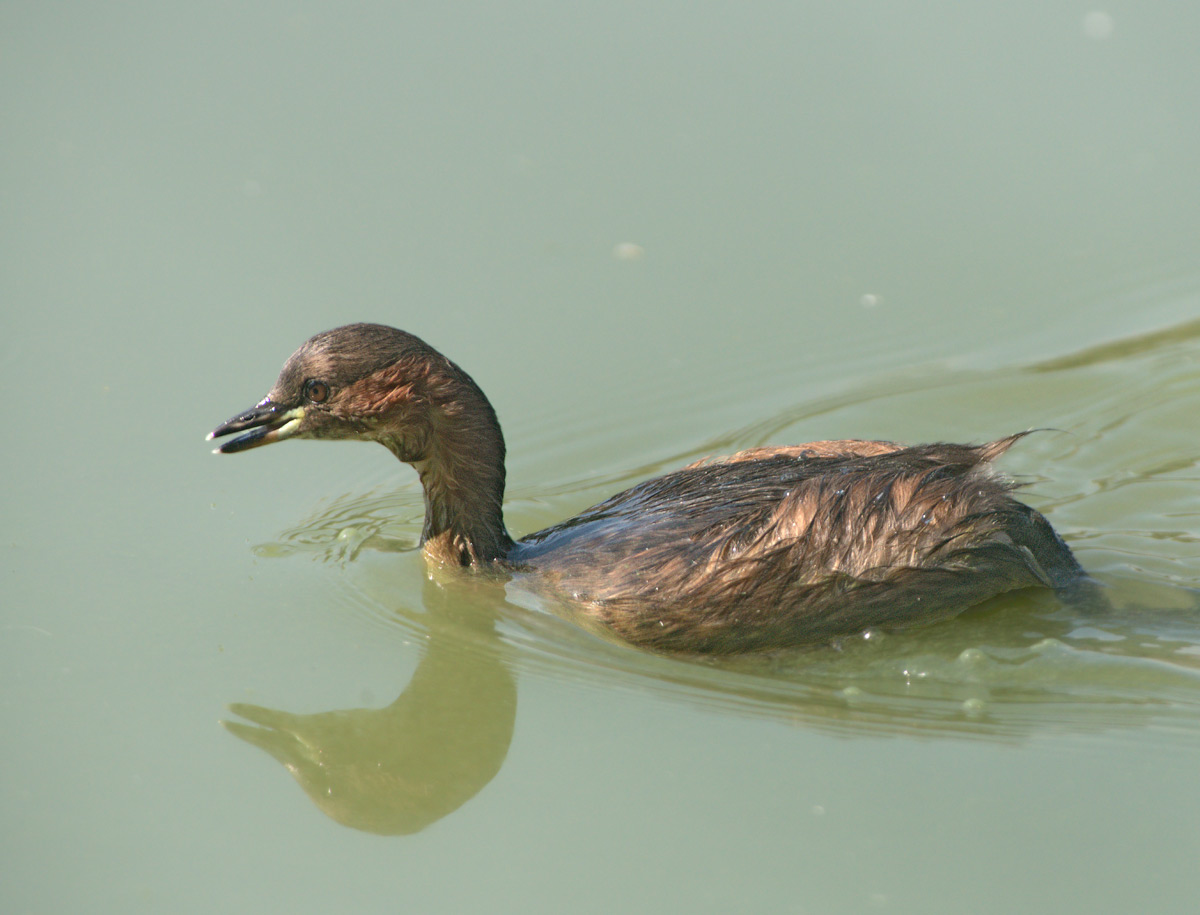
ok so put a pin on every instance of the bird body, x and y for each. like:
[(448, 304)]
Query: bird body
[(760, 550)]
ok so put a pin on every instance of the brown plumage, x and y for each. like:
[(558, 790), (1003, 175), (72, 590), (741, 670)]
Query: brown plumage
[(759, 550)]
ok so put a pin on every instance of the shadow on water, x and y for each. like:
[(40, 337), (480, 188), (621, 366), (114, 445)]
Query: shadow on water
[(1008, 670)]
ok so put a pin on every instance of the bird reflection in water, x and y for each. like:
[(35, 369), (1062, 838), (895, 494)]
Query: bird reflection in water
[(396, 770)]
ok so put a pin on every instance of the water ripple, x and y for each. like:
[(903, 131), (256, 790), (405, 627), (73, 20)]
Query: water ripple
[(1120, 482)]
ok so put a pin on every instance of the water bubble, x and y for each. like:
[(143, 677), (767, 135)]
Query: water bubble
[(974, 707), (1098, 25)]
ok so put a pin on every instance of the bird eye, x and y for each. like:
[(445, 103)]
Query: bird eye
[(316, 391)]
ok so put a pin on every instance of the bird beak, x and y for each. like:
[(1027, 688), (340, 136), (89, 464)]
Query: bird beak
[(268, 422)]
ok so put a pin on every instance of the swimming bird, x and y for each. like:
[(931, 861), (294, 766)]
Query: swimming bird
[(764, 549)]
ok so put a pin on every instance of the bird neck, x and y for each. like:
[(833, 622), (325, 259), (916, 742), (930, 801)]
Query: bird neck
[(462, 472)]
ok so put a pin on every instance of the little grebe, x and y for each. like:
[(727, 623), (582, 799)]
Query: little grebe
[(763, 549)]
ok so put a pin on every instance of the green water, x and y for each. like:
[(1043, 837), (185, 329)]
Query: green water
[(230, 683)]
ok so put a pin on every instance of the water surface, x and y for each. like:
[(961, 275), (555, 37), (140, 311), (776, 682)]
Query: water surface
[(913, 222)]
